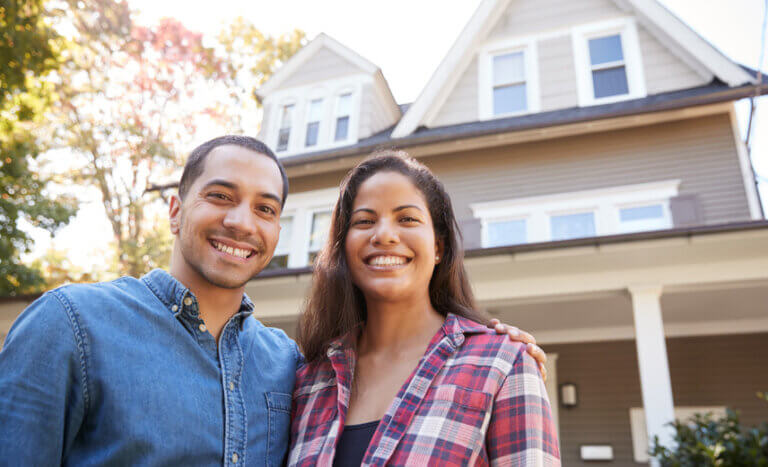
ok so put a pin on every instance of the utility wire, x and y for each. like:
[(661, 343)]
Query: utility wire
[(759, 83)]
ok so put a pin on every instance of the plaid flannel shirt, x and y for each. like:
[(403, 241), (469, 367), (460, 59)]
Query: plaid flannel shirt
[(476, 398)]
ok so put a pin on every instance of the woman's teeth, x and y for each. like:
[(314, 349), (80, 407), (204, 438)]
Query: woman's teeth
[(387, 261)]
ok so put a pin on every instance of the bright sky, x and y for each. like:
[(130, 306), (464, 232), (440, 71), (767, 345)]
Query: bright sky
[(407, 39)]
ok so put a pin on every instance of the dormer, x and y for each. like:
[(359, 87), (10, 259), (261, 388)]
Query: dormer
[(326, 96)]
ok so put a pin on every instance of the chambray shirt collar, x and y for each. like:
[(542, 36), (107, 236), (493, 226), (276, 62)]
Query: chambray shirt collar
[(176, 297)]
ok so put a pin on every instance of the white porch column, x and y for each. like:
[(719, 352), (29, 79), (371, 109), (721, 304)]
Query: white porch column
[(652, 361)]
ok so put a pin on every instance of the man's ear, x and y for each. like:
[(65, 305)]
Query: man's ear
[(174, 214)]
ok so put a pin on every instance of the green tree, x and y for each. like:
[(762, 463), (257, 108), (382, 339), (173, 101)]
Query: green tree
[(29, 52)]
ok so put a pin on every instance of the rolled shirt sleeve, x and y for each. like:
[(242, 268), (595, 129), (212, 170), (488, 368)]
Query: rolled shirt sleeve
[(43, 381), (521, 430)]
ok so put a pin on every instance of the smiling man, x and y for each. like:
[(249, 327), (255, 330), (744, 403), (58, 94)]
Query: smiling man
[(168, 369)]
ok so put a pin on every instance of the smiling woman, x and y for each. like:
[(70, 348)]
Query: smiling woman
[(401, 370)]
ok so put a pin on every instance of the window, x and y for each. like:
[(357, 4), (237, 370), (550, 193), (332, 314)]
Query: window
[(284, 134), (343, 111), (283, 248), (314, 115), (608, 62), (509, 88), (564, 216), (506, 232), (321, 224), (609, 73), (565, 227)]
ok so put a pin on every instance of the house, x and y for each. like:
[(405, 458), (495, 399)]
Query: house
[(607, 201)]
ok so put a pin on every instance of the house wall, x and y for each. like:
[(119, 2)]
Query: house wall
[(325, 64), (374, 116), (705, 371), (663, 70)]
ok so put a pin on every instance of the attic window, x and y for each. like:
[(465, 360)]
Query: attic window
[(284, 134), (509, 84), (343, 110), (609, 72), (314, 114)]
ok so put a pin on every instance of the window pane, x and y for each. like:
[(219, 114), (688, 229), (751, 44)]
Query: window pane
[(286, 116), (509, 99), (639, 213), (321, 223), (286, 232), (313, 129), (573, 226), (315, 110), (507, 233), (344, 106), (610, 82), (282, 139), (605, 50), (508, 68), (342, 128)]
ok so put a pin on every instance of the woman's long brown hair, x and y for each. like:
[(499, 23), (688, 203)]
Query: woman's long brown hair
[(335, 305)]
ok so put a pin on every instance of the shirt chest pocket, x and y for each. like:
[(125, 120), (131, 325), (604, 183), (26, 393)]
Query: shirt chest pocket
[(455, 414), (279, 423)]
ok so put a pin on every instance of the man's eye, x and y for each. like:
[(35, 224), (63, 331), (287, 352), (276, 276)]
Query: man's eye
[(221, 196), (268, 210)]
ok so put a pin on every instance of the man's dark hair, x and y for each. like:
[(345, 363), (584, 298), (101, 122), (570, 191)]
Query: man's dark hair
[(196, 161)]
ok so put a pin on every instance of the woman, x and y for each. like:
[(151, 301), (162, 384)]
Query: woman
[(400, 369)]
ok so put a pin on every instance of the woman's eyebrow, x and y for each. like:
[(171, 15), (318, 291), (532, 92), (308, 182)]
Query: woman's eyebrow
[(406, 206), (368, 210)]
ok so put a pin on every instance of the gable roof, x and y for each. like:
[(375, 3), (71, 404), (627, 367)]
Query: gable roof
[(306, 53), (654, 16)]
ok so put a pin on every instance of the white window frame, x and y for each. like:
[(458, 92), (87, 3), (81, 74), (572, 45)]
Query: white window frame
[(321, 123), (626, 28), (336, 115), (605, 203), (301, 206), (485, 76), (300, 97), (640, 442)]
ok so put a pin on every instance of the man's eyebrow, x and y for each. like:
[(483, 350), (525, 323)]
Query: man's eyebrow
[(220, 182), (272, 196)]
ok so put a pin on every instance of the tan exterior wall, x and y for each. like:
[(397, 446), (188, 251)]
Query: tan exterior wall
[(700, 152), (325, 64), (705, 371), (374, 116), (663, 70)]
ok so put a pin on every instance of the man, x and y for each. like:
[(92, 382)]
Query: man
[(169, 369)]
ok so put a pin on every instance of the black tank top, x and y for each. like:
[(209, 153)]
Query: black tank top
[(353, 443)]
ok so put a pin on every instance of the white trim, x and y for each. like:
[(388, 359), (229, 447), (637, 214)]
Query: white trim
[(679, 33), (605, 203), (747, 172), (485, 76), (626, 29), (553, 389), (307, 52), (301, 207), (640, 441)]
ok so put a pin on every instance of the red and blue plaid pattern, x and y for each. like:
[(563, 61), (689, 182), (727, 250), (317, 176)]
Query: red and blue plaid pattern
[(475, 399)]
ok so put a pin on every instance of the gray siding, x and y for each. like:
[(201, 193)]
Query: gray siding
[(663, 70), (557, 74), (325, 64), (462, 103), (608, 384), (374, 117), (700, 152)]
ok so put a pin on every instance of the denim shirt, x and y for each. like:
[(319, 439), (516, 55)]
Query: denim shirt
[(125, 373)]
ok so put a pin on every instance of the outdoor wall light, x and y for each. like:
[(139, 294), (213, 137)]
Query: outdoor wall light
[(568, 395)]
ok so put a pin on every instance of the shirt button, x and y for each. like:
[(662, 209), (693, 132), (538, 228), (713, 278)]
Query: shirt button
[(234, 458), (175, 308), (202, 328), (188, 301), (231, 386)]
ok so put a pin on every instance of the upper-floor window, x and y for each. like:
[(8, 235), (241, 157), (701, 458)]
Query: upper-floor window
[(321, 224), (314, 116), (507, 79), (283, 248), (284, 132), (343, 112), (565, 216), (509, 93), (608, 62), (609, 71)]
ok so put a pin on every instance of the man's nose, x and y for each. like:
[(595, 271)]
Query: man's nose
[(240, 218), (385, 233)]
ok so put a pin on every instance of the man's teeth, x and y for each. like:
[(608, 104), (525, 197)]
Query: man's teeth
[(232, 251), (387, 261)]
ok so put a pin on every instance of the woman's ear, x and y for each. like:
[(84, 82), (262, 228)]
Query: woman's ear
[(439, 248)]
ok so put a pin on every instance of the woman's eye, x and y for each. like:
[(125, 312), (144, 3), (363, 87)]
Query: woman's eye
[(362, 221), (409, 219)]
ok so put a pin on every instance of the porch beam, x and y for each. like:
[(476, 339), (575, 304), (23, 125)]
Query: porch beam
[(652, 360)]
